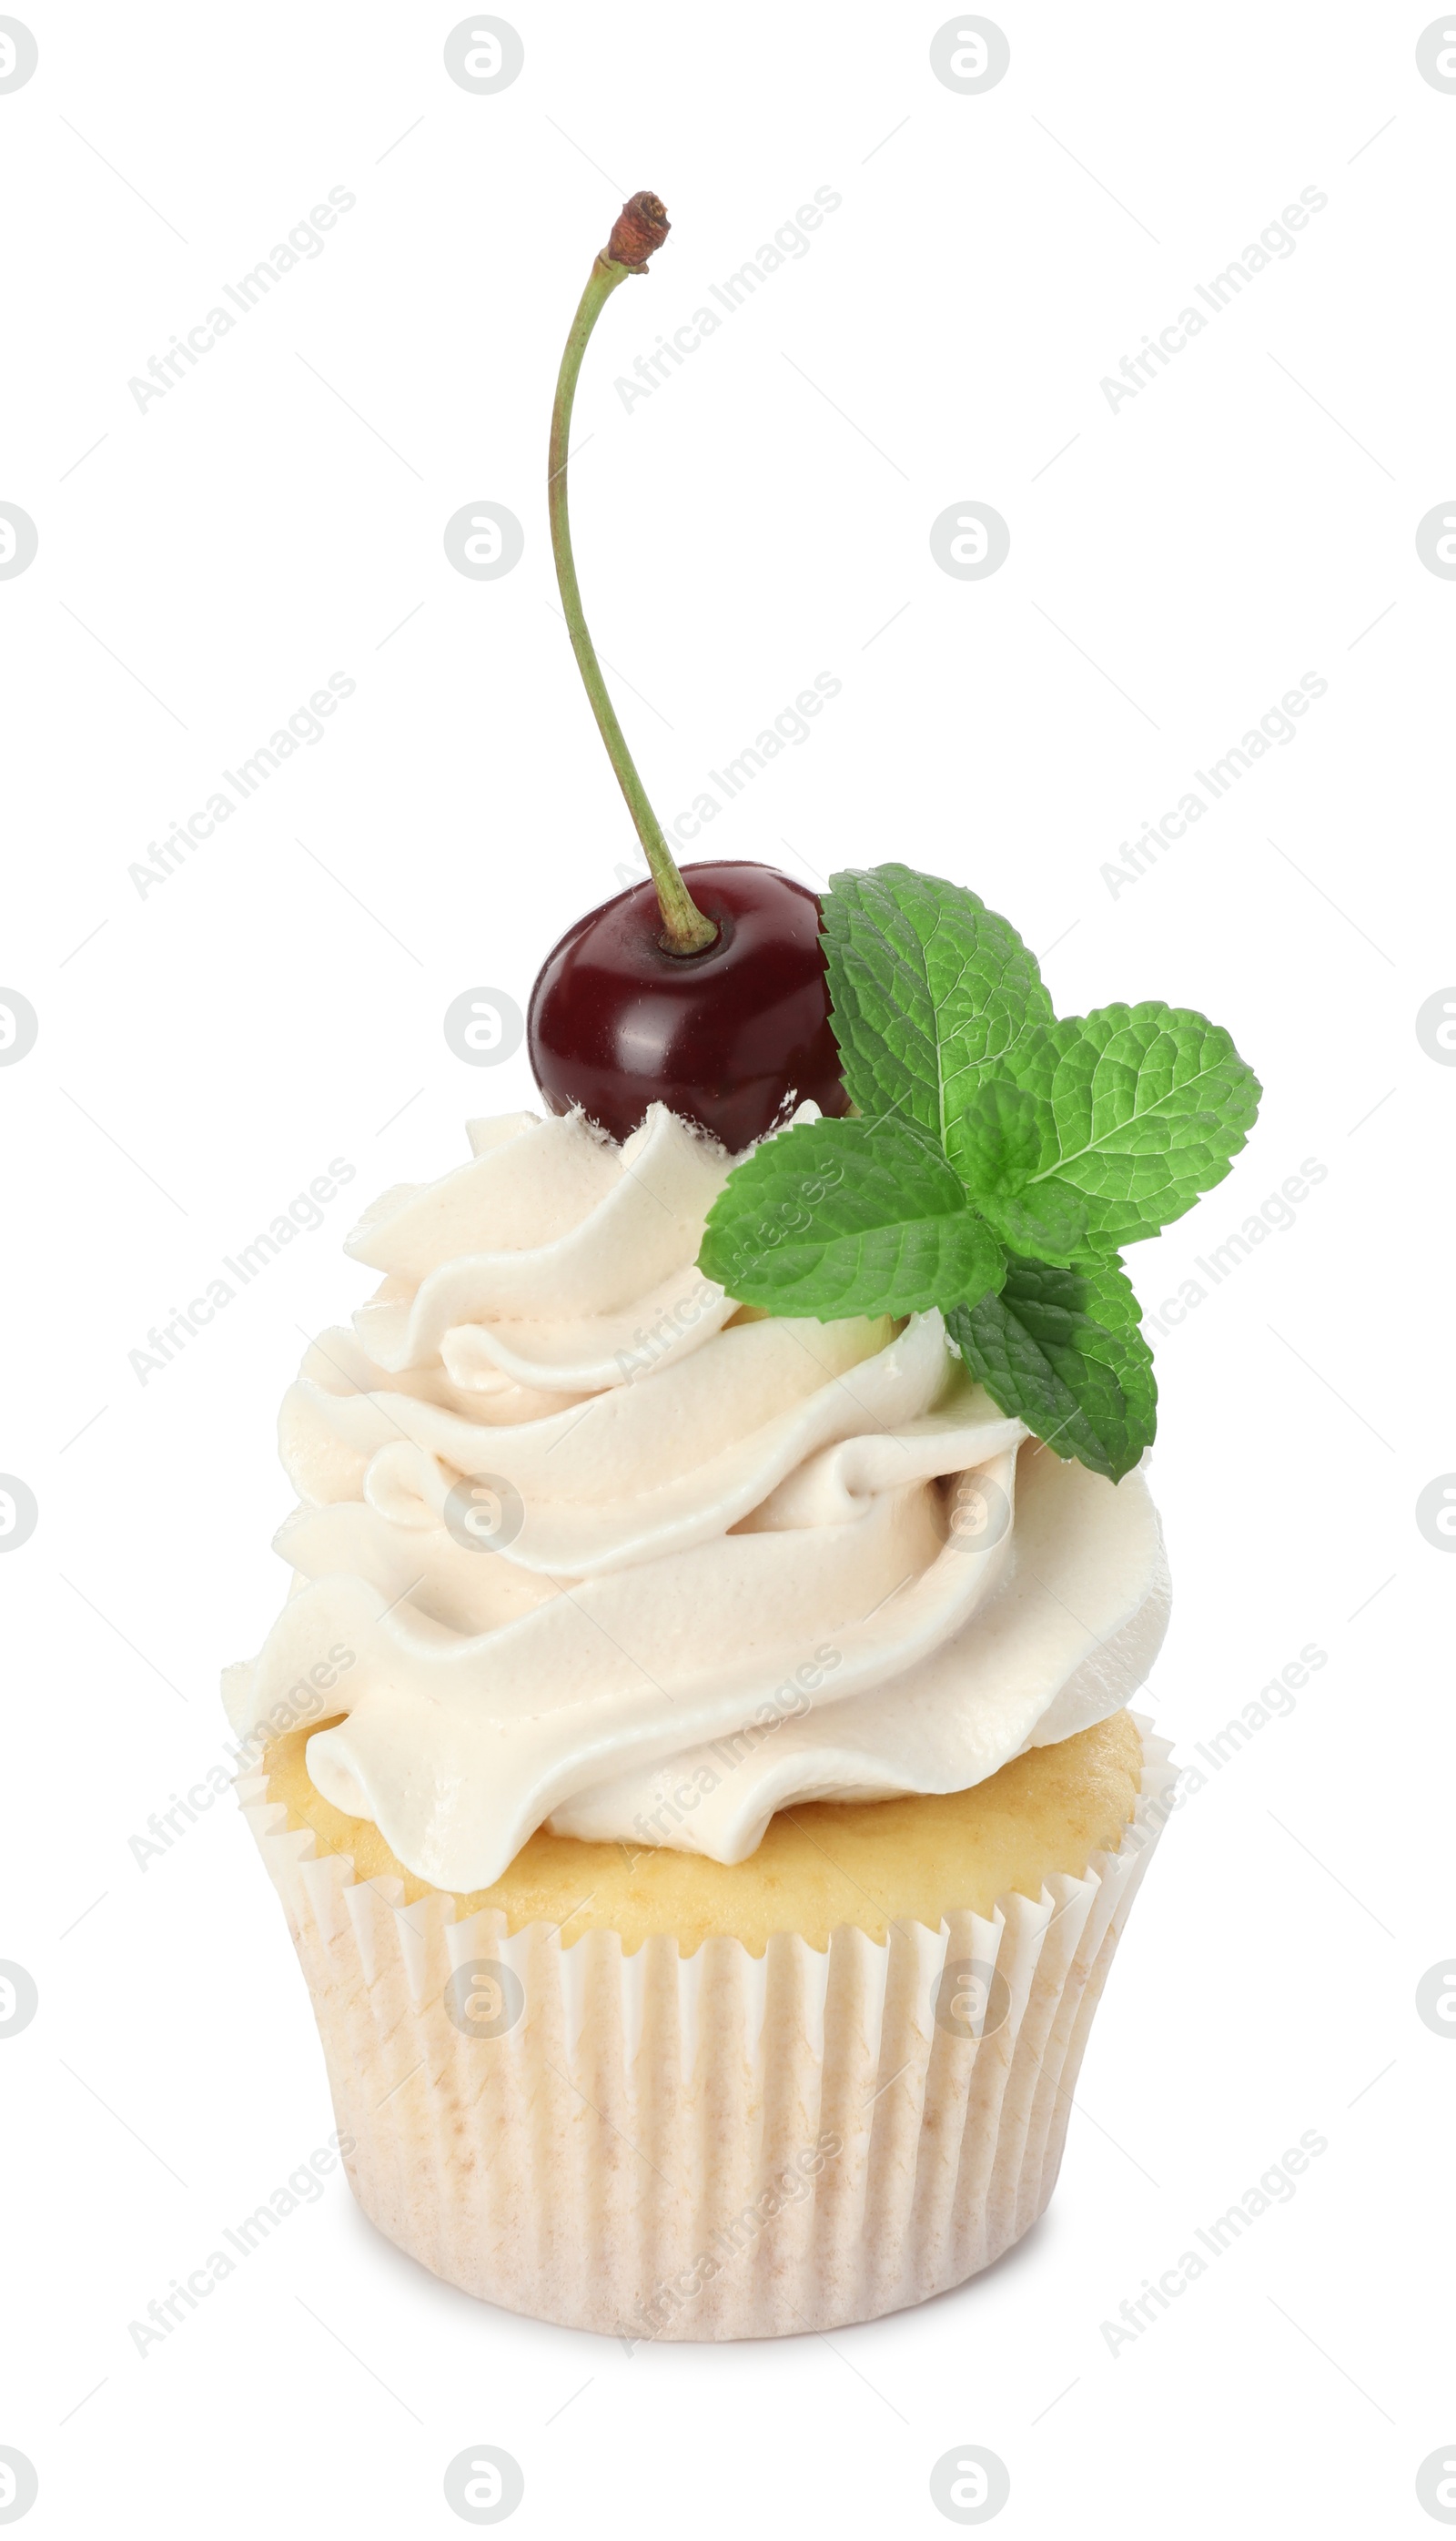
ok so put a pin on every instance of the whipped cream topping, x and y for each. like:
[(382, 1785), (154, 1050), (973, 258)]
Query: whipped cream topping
[(603, 1549)]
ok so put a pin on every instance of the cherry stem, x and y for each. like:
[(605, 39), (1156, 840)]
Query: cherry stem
[(642, 226)]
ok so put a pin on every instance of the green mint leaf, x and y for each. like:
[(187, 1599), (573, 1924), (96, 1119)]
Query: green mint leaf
[(930, 992), (1049, 1221), (1142, 1109), (997, 1141), (848, 1217), (996, 1146), (1001, 1162), (1061, 1349)]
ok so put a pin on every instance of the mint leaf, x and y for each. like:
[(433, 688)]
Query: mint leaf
[(1001, 1162), (930, 992), (997, 1141), (1049, 1220), (848, 1217), (1061, 1349), (996, 1146), (1143, 1108)]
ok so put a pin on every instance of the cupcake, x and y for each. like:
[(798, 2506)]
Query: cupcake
[(694, 1755), (698, 1772)]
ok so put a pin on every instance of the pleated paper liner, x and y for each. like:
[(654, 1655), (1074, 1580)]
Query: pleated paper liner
[(715, 2147)]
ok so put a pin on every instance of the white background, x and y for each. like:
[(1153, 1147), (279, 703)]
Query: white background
[(1176, 566)]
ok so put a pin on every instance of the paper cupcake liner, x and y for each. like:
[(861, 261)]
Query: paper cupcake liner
[(714, 2146)]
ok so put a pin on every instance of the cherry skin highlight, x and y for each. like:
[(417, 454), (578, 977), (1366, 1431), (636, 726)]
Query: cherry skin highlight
[(730, 1037)]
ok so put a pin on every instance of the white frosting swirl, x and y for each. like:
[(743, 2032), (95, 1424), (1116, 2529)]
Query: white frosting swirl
[(717, 1563)]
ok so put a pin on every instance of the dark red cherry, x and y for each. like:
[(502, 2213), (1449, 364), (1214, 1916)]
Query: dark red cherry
[(706, 991), (730, 1037)]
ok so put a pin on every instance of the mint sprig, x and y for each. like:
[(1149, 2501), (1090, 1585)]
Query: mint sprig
[(849, 1217), (1140, 1109), (1063, 1348), (1002, 1161), (930, 990)]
